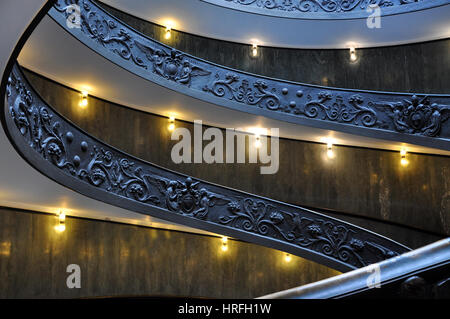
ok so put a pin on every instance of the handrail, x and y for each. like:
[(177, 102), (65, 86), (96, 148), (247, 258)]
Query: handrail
[(322, 10), (396, 271), (69, 156), (411, 118)]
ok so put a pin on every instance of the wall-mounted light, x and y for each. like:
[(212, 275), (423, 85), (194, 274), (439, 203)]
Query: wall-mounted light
[(288, 258), (258, 143), (171, 126), (61, 222), (83, 99), (168, 33), (353, 56), (224, 244), (254, 50), (330, 152), (403, 161)]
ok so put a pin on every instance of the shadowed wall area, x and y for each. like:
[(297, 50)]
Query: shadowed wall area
[(369, 185), (415, 68), (121, 260)]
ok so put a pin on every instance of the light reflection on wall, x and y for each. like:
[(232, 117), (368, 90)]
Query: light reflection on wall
[(5, 248)]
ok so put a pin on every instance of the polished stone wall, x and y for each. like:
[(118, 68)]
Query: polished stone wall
[(415, 68), (365, 186), (125, 260)]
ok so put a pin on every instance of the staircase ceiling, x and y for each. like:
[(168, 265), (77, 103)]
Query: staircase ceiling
[(208, 20)]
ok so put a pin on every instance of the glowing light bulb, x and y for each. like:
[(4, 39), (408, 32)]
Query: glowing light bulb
[(168, 33), (258, 143), (330, 152), (60, 228), (288, 258), (84, 99), (254, 50), (224, 244), (61, 222), (403, 161), (171, 126), (353, 56)]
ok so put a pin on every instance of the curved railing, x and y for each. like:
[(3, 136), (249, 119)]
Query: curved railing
[(412, 118), (422, 273), (331, 9), (78, 161)]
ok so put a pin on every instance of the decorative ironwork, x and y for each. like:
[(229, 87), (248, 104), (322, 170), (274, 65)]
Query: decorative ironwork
[(416, 115), (317, 5), (325, 9), (379, 114), (97, 170), (243, 92)]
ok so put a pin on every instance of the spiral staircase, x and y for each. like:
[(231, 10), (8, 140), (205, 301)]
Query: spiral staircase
[(48, 156)]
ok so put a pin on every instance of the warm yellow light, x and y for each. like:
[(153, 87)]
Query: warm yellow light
[(224, 240), (224, 247), (60, 228), (330, 152), (84, 99), (353, 56), (171, 126), (287, 258), (258, 143), (254, 49), (61, 222), (168, 33), (404, 161)]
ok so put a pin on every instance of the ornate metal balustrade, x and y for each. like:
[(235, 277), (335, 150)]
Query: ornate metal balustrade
[(412, 118), (78, 161), (327, 9)]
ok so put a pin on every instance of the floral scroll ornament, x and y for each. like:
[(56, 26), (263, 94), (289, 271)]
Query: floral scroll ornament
[(316, 5), (243, 91), (351, 112)]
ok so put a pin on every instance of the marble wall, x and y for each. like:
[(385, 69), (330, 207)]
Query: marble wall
[(125, 260)]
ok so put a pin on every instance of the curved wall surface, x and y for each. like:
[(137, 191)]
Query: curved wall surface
[(362, 182), (421, 67), (123, 260), (209, 20)]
